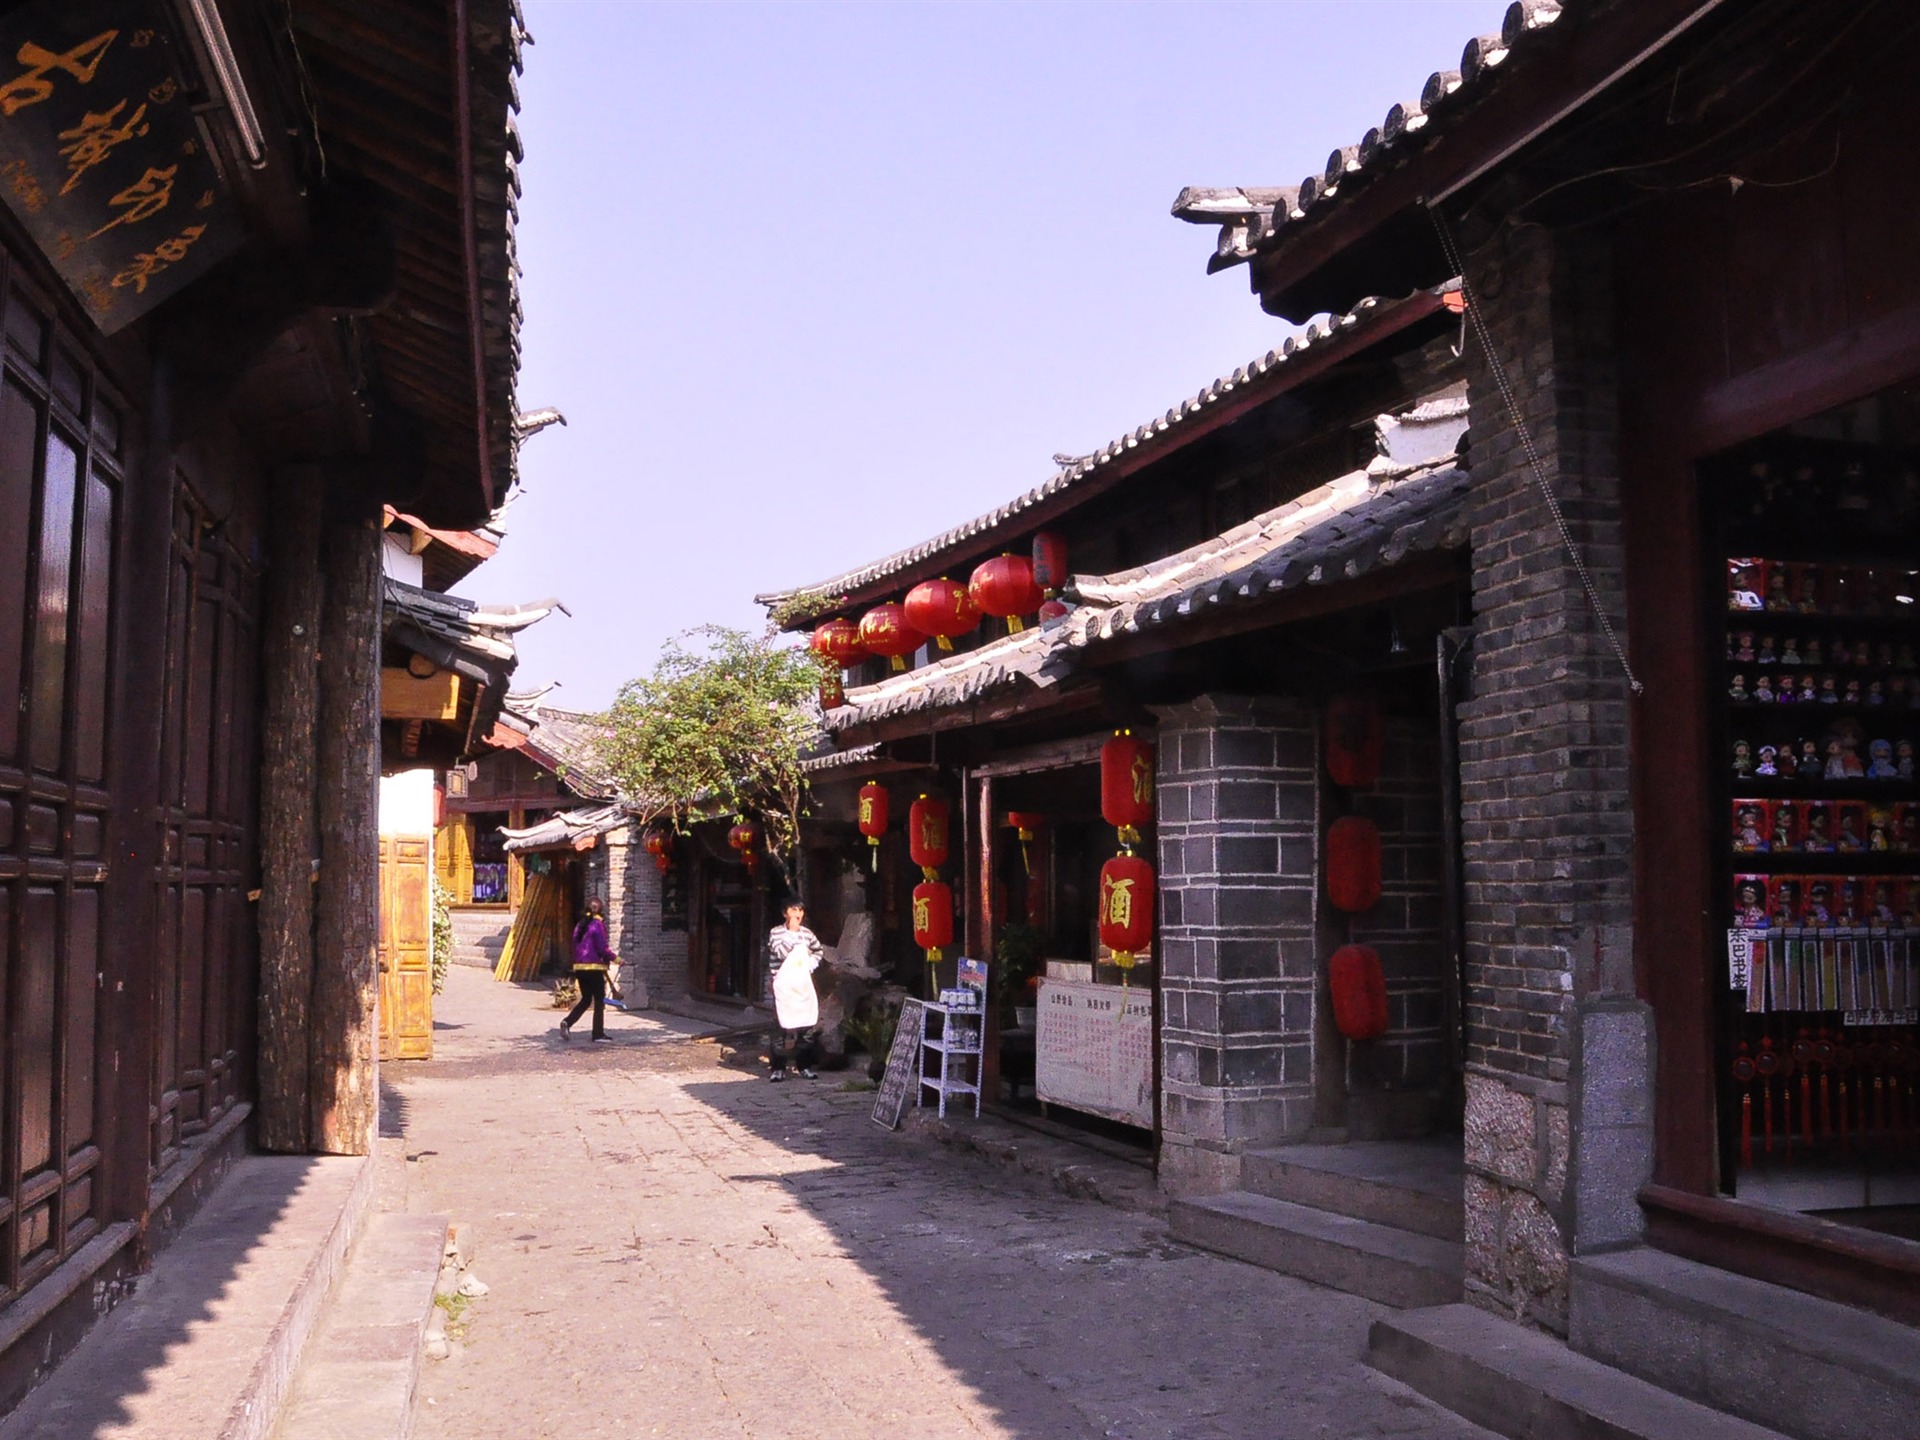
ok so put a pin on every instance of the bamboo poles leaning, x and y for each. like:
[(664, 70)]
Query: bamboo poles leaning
[(538, 926)]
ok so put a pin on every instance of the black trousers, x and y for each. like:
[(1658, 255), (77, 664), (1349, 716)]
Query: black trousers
[(593, 991), (796, 1047)]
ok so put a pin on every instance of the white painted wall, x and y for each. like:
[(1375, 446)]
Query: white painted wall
[(406, 803), (396, 562)]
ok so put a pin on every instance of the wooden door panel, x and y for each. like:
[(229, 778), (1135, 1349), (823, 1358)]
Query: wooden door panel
[(406, 947)]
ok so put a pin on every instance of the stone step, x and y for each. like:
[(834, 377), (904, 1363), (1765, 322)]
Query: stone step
[(358, 1377), (1394, 1267), (1813, 1369), (1410, 1185), (206, 1347), (479, 936), (1530, 1386)]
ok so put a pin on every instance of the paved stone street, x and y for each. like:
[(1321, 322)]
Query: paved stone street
[(677, 1248)]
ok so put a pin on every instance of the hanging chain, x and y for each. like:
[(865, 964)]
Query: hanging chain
[(1479, 324)]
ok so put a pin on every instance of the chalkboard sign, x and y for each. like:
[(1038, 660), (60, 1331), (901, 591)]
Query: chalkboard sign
[(903, 1065)]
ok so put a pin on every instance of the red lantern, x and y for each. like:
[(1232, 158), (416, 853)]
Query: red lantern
[(932, 918), (1026, 824), (1356, 738), (1126, 908), (743, 837), (1049, 561), (873, 816), (839, 641), (1054, 610), (1353, 864), (884, 631), (927, 834), (1126, 785), (659, 844), (942, 608), (1359, 990), (833, 691), (1004, 587)]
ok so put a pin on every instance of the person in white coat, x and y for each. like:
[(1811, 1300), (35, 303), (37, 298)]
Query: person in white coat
[(793, 953)]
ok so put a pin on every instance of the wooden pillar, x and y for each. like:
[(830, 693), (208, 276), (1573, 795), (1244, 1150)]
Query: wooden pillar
[(287, 820), (342, 1053), (980, 938)]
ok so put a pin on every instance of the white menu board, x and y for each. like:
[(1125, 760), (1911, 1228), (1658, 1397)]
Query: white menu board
[(1094, 1049)]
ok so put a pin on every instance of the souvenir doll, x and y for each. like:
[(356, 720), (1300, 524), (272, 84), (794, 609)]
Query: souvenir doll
[(1851, 695), (1906, 829), (1809, 765), (1862, 655), (1737, 689), (1883, 655), (1777, 596), (1743, 646), (1903, 759), (1851, 826), (1812, 651), (1763, 689), (1786, 903), (1807, 693), (1750, 902), (1879, 828), (1880, 764), (1816, 828), (1829, 690), (1879, 903), (1819, 901), (1764, 654), (1838, 651), (1781, 839), (1743, 582), (1786, 694), (1807, 594), (1749, 826), (1876, 692), (1849, 901), (1742, 758), (1790, 651), (1767, 766), (1843, 752)]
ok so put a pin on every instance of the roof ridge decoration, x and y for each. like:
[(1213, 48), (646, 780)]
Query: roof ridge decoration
[(1316, 333), (1251, 217)]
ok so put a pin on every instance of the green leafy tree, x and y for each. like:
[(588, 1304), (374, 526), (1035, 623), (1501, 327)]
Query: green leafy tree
[(717, 729)]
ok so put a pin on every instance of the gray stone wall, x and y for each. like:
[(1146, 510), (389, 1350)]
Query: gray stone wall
[(1238, 868), (628, 880), (1547, 830)]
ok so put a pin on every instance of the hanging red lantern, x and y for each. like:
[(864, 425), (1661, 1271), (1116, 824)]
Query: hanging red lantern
[(1126, 785), (927, 834), (884, 631), (1126, 908), (1004, 587), (873, 816), (1353, 864), (932, 918), (1359, 990), (744, 837), (942, 608), (1356, 740), (839, 641), (659, 844), (1026, 824), (1049, 561)]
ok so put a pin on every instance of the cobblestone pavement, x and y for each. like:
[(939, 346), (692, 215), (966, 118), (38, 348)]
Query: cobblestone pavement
[(675, 1247)]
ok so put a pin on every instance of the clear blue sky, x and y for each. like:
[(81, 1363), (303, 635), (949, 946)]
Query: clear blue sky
[(814, 282)]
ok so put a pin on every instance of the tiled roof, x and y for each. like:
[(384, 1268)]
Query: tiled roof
[(953, 680), (472, 640), (1254, 219), (569, 829), (1163, 431), (567, 741)]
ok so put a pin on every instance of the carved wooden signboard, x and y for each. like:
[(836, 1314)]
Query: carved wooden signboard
[(903, 1065), (102, 158)]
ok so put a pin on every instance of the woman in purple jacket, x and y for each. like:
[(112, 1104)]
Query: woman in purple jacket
[(591, 956)]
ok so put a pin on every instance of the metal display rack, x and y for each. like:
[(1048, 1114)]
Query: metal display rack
[(958, 1036)]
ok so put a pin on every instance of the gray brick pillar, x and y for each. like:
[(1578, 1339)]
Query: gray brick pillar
[(1544, 785), (1237, 826)]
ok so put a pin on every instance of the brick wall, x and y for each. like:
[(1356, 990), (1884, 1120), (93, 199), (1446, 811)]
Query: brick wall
[(1544, 786), (627, 879), (1238, 864)]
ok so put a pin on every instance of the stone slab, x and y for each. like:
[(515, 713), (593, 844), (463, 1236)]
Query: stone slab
[(206, 1347), (1814, 1369), (1527, 1385), (1409, 1184), (1393, 1267)]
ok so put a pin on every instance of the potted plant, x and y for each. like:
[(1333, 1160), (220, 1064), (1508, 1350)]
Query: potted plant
[(1018, 953)]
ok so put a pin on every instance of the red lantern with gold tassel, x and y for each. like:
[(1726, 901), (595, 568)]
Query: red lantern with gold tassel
[(1126, 785), (933, 918), (1004, 587), (744, 837), (1026, 825), (1353, 864), (927, 834), (659, 844), (1356, 740), (1049, 561), (839, 641), (1359, 989), (941, 608), (884, 631), (873, 816), (1126, 908)]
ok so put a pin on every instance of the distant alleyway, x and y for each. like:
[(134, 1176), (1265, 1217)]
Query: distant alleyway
[(677, 1248)]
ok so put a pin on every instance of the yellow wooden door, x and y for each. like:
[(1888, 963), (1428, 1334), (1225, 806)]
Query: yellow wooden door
[(453, 858), (406, 948)]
